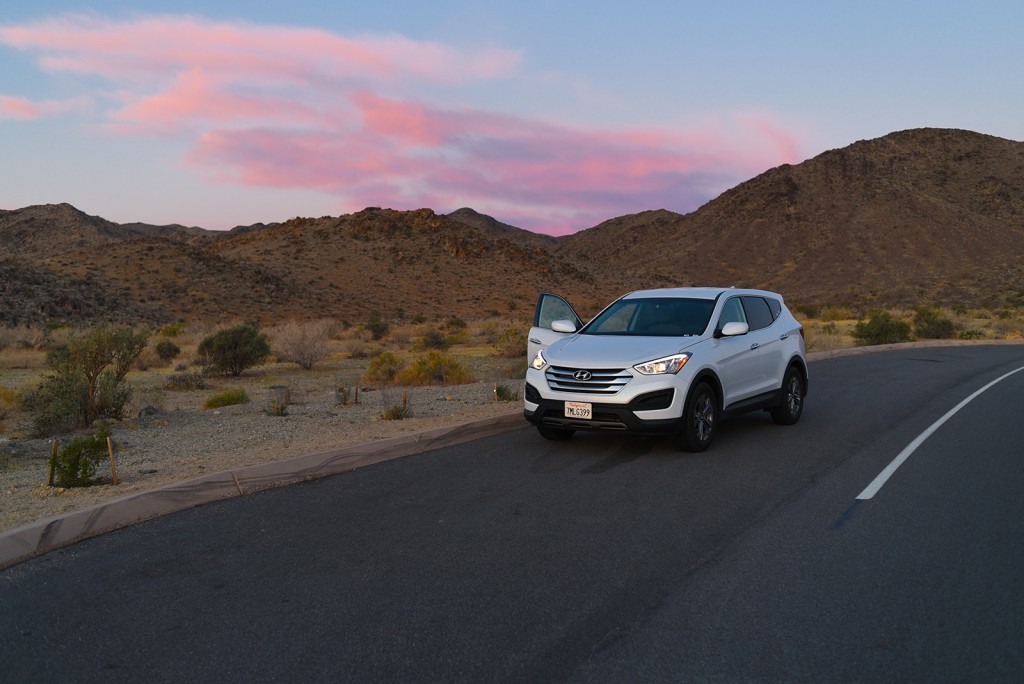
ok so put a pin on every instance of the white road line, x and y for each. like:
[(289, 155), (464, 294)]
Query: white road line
[(884, 476)]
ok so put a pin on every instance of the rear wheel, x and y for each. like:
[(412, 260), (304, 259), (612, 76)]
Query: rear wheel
[(700, 418), (792, 405), (554, 434)]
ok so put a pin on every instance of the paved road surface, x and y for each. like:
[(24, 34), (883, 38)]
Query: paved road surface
[(603, 559)]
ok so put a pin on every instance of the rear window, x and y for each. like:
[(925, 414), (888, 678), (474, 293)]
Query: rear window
[(758, 314), (654, 317)]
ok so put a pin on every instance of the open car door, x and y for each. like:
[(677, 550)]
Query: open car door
[(550, 308)]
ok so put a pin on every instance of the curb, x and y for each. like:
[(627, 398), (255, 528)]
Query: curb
[(36, 538)]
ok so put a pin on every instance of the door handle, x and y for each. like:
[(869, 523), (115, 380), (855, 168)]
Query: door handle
[(785, 336), (755, 346), (534, 340)]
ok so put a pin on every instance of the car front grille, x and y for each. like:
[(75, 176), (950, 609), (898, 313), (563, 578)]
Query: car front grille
[(601, 381)]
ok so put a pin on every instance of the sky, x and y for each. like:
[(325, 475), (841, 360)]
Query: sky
[(550, 115)]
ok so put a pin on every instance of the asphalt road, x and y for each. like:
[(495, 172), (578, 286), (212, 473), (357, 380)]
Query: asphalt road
[(602, 559)]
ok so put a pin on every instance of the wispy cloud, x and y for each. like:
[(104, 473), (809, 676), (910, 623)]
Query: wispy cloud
[(287, 107), (27, 110)]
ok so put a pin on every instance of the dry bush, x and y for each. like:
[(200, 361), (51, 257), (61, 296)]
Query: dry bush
[(436, 368), (304, 343), (20, 337)]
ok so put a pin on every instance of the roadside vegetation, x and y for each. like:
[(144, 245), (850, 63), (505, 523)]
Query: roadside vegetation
[(836, 327), (62, 380)]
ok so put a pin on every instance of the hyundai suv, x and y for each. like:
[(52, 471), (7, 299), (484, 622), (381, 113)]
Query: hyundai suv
[(667, 361)]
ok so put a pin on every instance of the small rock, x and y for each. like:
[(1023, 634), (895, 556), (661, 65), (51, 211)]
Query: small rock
[(149, 411)]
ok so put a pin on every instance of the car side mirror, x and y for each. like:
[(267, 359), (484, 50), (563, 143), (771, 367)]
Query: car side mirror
[(563, 326), (735, 328)]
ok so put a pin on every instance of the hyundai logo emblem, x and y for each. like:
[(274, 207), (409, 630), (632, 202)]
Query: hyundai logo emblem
[(582, 375)]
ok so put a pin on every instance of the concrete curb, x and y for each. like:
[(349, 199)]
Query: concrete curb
[(44, 535)]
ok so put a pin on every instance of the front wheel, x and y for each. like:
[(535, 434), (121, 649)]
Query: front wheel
[(699, 418), (554, 434), (792, 404)]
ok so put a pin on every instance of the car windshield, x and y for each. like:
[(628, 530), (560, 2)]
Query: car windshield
[(656, 317)]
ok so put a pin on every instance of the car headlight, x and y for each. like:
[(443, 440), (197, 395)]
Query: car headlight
[(538, 361), (663, 366)]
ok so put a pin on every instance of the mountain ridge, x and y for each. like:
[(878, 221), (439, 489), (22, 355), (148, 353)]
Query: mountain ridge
[(918, 216)]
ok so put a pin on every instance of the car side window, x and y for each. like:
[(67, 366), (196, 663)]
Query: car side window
[(732, 312), (775, 305), (758, 314), (553, 308)]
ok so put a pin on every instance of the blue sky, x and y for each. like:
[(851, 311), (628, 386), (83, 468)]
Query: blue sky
[(549, 115)]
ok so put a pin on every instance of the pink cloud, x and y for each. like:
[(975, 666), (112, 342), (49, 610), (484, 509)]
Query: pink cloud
[(280, 107), (22, 108)]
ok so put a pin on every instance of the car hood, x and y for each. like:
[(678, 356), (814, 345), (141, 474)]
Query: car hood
[(613, 351)]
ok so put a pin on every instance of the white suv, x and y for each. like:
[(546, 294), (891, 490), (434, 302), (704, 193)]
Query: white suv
[(669, 361)]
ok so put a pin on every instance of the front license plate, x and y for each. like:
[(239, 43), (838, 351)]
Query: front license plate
[(578, 409)]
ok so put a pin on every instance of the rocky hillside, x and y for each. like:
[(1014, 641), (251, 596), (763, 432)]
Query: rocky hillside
[(928, 215)]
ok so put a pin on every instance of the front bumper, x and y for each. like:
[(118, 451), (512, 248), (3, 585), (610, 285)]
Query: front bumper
[(654, 412)]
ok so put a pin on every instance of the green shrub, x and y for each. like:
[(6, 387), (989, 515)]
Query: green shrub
[(86, 380), (971, 334), (511, 343), (167, 350), (384, 367), (75, 464), (505, 393), (229, 397), (377, 327), (234, 349), (930, 324), (436, 368), (881, 328), (172, 330), (433, 339)]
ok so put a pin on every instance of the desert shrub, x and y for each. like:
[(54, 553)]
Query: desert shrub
[(394, 411), (930, 324), (185, 382), (234, 349), (377, 327), (436, 368), (228, 397), (505, 393), (433, 339), (881, 328), (8, 401), (511, 343), (456, 323), (971, 334), (172, 330), (303, 343), (837, 313), (21, 337), (86, 380), (167, 350), (384, 367), (808, 310), (75, 464)]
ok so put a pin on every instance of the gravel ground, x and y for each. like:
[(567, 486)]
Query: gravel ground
[(174, 445)]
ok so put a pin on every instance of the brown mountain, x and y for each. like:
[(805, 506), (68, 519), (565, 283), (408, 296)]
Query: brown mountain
[(928, 215)]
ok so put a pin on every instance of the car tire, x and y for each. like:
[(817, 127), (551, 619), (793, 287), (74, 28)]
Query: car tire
[(554, 434), (700, 418), (791, 399)]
